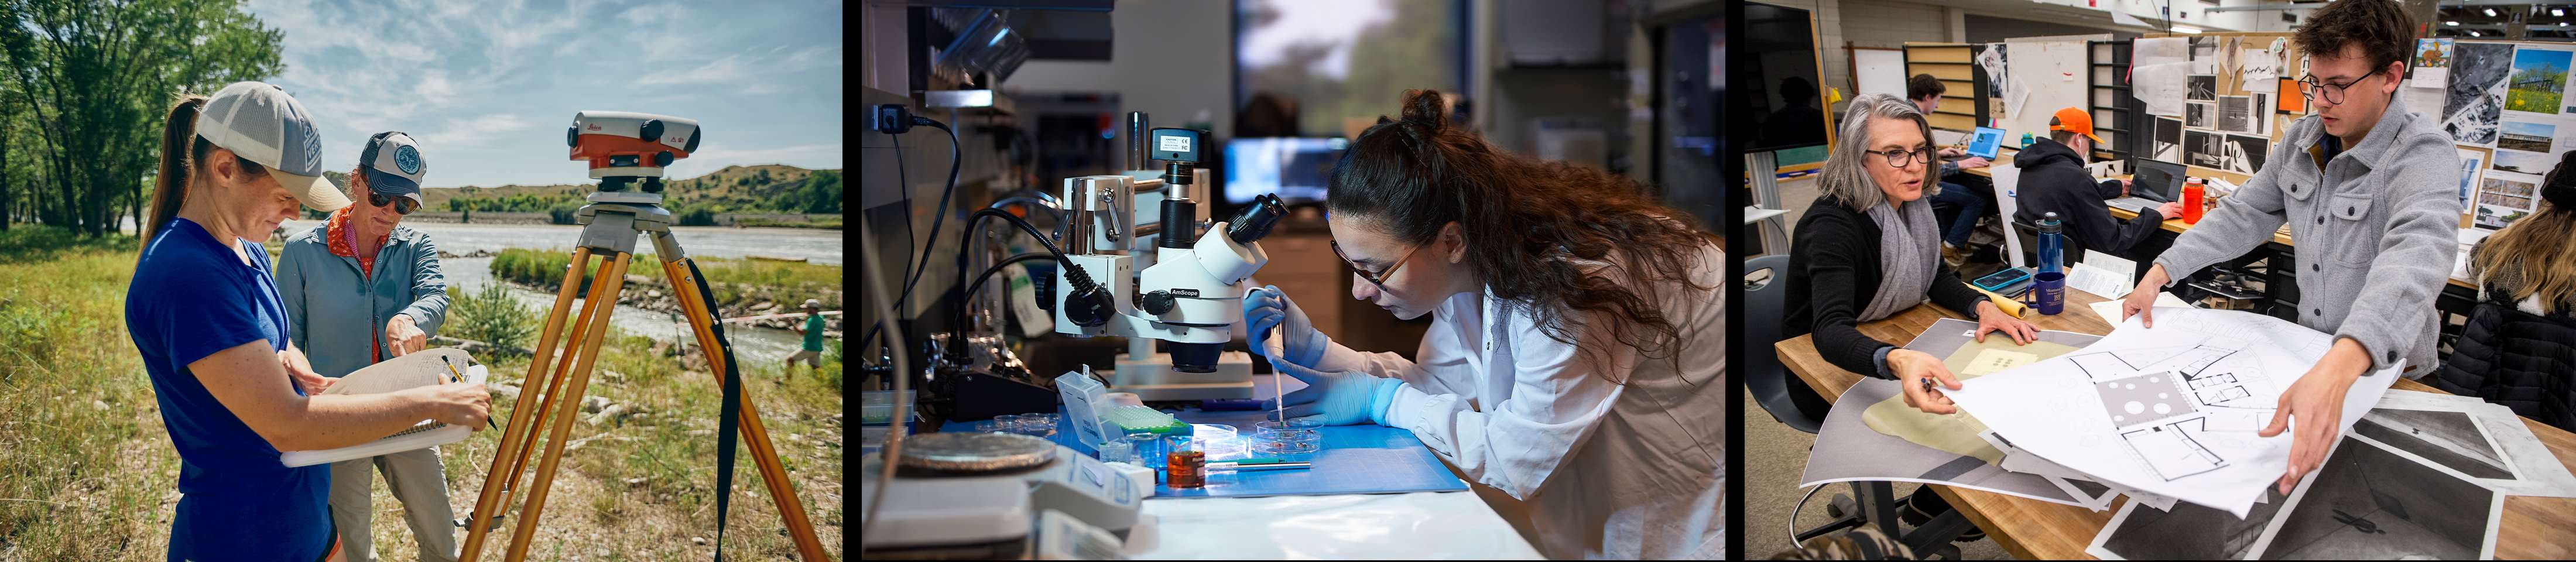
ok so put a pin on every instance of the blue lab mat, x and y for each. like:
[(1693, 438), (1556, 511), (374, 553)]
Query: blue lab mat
[(1356, 459)]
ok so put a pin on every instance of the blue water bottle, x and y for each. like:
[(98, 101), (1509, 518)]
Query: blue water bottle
[(2049, 286), (2052, 244)]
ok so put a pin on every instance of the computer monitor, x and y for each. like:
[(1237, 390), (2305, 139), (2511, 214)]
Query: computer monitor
[(2156, 180), (1984, 143), (1294, 168)]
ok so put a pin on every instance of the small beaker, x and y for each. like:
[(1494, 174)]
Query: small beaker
[(1185, 464)]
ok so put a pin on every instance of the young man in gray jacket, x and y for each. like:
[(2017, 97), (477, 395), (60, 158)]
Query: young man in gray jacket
[(2368, 192), (361, 289)]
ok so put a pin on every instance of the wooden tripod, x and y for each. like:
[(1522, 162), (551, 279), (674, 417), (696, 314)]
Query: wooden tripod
[(610, 226)]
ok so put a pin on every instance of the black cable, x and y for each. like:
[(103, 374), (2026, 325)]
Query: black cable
[(1073, 274), (935, 222), (963, 317)]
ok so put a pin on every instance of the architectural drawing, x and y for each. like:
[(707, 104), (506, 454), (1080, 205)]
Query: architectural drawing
[(2175, 410)]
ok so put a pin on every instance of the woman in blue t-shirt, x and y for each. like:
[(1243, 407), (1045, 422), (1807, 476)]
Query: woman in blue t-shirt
[(206, 318)]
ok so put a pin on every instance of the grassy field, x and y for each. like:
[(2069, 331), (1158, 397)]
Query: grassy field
[(87, 472), (733, 280)]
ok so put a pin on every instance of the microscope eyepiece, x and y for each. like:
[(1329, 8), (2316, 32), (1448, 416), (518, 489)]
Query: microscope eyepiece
[(1254, 221)]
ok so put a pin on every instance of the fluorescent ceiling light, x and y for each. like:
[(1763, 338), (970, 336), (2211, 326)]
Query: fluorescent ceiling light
[(2451, 23), (2181, 29)]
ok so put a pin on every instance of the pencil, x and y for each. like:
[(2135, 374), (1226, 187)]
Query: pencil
[(460, 377)]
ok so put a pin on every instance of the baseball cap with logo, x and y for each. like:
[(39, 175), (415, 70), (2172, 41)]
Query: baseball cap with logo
[(2074, 119), (259, 122), (393, 165)]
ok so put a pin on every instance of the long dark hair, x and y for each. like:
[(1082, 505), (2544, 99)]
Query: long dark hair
[(1526, 223), (181, 151)]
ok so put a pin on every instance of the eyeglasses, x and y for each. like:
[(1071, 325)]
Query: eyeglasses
[(402, 205), (2331, 93), (1899, 158), (1378, 278)]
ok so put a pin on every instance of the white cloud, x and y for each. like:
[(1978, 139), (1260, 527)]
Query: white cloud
[(728, 69), (469, 133)]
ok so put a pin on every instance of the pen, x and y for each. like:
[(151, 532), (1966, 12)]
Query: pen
[(460, 377)]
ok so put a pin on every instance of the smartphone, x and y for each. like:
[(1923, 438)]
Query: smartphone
[(2005, 279)]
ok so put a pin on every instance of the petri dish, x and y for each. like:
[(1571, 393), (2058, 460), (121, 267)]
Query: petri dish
[(1286, 438)]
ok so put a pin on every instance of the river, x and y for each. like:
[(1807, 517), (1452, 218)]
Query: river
[(752, 345)]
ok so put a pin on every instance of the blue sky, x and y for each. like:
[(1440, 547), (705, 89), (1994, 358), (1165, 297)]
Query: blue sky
[(489, 86)]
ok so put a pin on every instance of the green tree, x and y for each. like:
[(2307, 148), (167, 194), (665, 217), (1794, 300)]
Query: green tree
[(91, 79)]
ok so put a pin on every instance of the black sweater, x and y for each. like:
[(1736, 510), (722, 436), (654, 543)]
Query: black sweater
[(2053, 181), (1833, 272)]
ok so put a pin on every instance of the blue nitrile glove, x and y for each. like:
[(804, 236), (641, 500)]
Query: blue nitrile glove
[(1337, 398), (1265, 307)]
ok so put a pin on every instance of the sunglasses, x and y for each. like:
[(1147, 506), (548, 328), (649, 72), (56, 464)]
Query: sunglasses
[(402, 205)]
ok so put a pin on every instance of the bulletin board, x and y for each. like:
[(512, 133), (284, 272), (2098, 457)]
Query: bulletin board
[(2507, 101), (2239, 92)]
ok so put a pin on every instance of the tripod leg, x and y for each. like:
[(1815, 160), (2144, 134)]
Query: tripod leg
[(554, 383), (782, 492), (479, 520), (601, 305)]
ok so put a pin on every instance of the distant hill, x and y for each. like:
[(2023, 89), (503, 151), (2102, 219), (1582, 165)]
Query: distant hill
[(732, 189)]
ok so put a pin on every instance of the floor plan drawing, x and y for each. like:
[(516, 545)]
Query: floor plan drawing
[(2180, 405)]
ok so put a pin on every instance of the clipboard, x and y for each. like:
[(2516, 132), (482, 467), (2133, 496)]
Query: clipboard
[(416, 369)]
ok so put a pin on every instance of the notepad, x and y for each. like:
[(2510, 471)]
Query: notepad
[(416, 369)]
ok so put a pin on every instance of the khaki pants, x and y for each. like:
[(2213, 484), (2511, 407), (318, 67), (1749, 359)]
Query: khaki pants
[(417, 480)]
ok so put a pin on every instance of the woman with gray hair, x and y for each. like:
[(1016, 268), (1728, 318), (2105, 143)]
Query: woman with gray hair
[(1868, 249)]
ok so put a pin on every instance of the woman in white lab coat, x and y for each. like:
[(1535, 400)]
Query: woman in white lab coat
[(1578, 360)]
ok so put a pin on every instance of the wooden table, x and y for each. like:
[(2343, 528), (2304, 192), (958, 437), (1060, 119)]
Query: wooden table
[(2532, 528)]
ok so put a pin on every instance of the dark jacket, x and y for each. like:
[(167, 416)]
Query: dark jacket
[(2518, 359), (1833, 272), (2053, 180), (2509, 356)]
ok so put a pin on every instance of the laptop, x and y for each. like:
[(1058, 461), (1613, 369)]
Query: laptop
[(1985, 142), (2154, 183)]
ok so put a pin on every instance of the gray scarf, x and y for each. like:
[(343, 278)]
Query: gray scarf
[(1907, 258)]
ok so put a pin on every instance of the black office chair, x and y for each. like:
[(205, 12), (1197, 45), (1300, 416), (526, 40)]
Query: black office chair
[(1779, 393)]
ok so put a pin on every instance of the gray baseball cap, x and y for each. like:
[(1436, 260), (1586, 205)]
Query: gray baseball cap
[(393, 165), (259, 122)]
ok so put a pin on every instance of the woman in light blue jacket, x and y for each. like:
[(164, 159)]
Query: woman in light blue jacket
[(361, 289)]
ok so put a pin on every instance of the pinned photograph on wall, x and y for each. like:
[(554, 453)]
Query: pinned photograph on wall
[(2539, 81), (2203, 148), (2527, 136), (2473, 100), (2520, 162), (2432, 63), (2200, 87), (2244, 154), (2235, 114), (2472, 168), (2262, 65), (2260, 113), (2168, 141), (2497, 204), (2199, 115), (2204, 56)]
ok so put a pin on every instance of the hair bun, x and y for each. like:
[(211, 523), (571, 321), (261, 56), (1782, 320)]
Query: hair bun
[(1426, 108)]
